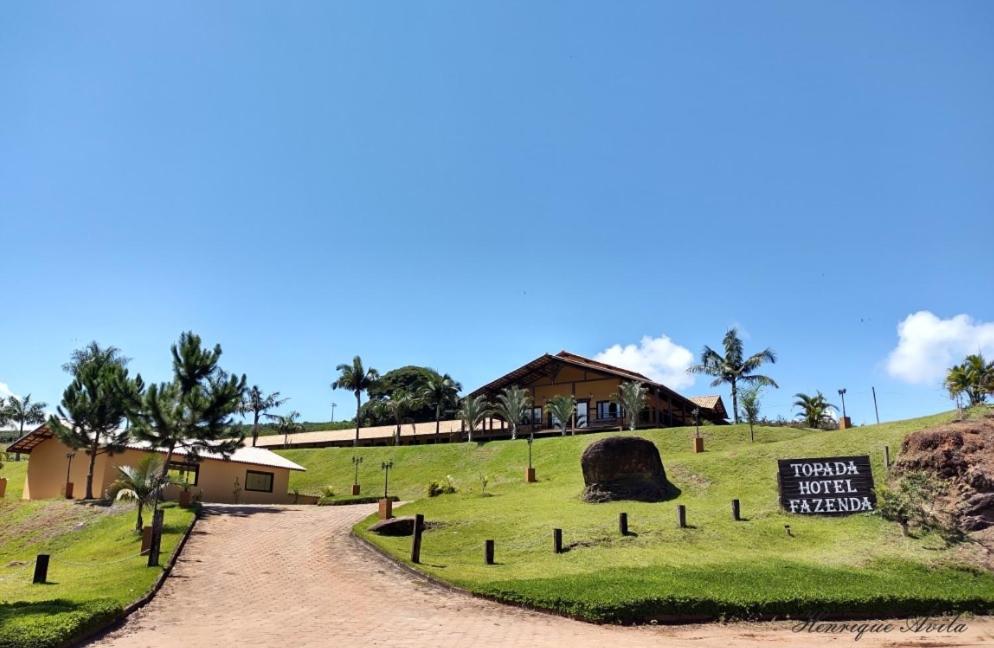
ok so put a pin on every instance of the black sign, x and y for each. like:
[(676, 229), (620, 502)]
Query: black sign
[(826, 486)]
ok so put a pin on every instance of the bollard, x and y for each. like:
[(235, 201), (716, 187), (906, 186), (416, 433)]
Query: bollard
[(681, 516), (557, 541), (488, 552), (623, 523), (419, 525), (736, 513), (887, 457), (41, 569)]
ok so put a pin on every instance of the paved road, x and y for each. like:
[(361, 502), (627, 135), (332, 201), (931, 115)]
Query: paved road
[(293, 577)]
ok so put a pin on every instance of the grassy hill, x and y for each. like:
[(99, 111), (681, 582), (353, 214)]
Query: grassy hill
[(95, 568), (717, 567)]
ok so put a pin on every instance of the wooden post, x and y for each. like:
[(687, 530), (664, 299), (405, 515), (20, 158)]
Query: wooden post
[(419, 524), (488, 552), (681, 516), (735, 510), (623, 523), (887, 457), (41, 569), (557, 541)]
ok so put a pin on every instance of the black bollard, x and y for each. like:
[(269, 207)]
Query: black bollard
[(887, 457), (41, 569), (681, 516), (623, 523), (419, 525), (488, 552), (557, 541), (736, 514)]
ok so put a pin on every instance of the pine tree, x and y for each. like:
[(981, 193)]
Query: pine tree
[(193, 412), (95, 404)]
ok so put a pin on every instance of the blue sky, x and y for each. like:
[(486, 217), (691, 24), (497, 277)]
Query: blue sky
[(469, 185)]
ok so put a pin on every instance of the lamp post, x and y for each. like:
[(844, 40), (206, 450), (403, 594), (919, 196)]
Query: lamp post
[(333, 406), (356, 460), (69, 457), (530, 473), (697, 420), (845, 421), (386, 466)]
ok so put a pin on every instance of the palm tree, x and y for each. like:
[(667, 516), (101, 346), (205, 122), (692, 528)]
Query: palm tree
[(973, 377), (957, 383), (442, 393), (750, 407), (631, 398), (396, 406), (140, 484), (815, 410), (731, 368), (561, 407), (512, 404), (287, 425), (24, 412), (257, 403), (471, 411), (356, 379)]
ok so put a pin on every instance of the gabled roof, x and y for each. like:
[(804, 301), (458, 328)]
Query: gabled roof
[(244, 455), (547, 365), (713, 403)]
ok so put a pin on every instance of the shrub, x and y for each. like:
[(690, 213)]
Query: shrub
[(327, 491), (50, 624), (435, 488)]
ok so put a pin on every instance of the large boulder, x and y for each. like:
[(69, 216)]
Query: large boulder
[(623, 468), (398, 526)]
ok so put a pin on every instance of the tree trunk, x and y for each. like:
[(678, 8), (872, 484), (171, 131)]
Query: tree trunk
[(140, 521), (735, 402), (162, 478), (358, 403), (752, 437), (93, 461), (438, 421), (255, 428)]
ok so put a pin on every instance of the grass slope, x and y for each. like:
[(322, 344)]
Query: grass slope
[(95, 568), (15, 472), (716, 568)]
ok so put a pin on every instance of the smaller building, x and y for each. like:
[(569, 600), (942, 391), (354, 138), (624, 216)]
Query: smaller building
[(249, 476)]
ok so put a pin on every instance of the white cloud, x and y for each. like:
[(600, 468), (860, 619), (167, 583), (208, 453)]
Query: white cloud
[(658, 358), (5, 391), (928, 345)]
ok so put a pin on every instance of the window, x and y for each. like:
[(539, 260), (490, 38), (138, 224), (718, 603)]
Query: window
[(183, 473), (260, 482), (536, 415), (607, 410)]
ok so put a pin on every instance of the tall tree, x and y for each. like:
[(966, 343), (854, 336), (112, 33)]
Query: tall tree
[(442, 393), (631, 397), (356, 379), (23, 412), (194, 411), (513, 403), (397, 407), (95, 404), (472, 411), (815, 410), (258, 403), (733, 368), (561, 407), (139, 484), (750, 407), (287, 425)]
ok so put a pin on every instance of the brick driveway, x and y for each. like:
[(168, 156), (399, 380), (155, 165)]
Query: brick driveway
[(292, 576)]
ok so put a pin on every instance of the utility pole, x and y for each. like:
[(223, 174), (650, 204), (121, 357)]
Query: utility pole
[(842, 393), (875, 410), (333, 406)]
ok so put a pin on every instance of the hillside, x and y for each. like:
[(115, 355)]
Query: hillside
[(717, 567)]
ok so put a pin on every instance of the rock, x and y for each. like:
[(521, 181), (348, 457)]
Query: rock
[(398, 526), (623, 468)]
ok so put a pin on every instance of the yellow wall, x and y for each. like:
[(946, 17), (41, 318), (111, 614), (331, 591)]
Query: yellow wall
[(46, 476)]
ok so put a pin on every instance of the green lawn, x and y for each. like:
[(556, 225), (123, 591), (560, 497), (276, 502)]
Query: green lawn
[(14, 471), (716, 568), (95, 568)]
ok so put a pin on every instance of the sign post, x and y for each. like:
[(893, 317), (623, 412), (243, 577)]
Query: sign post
[(826, 486)]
